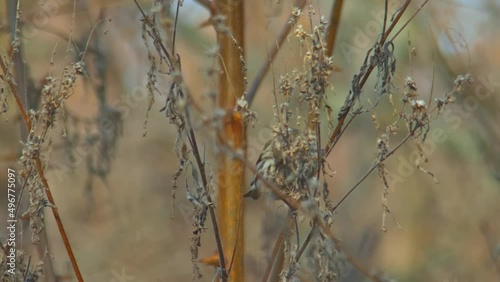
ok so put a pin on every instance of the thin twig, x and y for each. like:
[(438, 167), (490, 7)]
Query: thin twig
[(175, 25), (296, 223), (374, 166), (355, 114), (277, 246), (319, 155), (402, 9), (433, 79), (201, 167), (272, 54), (400, 12), (240, 212), (334, 26), (386, 11), (408, 21), (306, 242), (147, 20), (55, 212)]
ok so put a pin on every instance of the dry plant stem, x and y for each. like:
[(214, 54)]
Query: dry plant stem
[(306, 242), (272, 54), (162, 46), (359, 83), (386, 10), (234, 248), (374, 166), (355, 114), (201, 167), (320, 159), (402, 9), (278, 245), (41, 173), (19, 101), (25, 274), (175, 26), (334, 26), (230, 172), (408, 21), (280, 256)]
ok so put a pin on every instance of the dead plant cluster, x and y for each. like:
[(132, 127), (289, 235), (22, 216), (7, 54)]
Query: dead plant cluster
[(292, 167)]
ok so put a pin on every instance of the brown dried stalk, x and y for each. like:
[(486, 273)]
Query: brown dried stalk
[(41, 173), (277, 250), (201, 166), (230, 172), (334, 26)]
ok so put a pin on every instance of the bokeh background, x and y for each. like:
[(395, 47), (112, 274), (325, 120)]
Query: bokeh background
[(126, 226)]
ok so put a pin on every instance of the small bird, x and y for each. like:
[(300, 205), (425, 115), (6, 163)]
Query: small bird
[(289, 160)]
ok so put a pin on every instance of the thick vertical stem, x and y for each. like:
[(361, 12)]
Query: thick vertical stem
[(230, 171)]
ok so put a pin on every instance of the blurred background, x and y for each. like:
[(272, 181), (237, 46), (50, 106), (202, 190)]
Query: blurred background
[(115, 196)]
